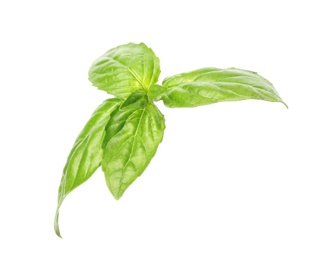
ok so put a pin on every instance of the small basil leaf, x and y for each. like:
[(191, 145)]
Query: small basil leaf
[(212, 85), (86, 154), (155, 92), (138, 99), (132, 138), (124, 69)]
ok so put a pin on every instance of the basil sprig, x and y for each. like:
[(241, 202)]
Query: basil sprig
[(124, 132)]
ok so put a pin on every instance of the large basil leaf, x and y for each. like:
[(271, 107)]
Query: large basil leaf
[(124, 69), (132, 137), (212, 85), (86, 154)]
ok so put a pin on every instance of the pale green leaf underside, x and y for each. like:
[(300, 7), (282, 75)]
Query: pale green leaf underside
[(124, 69), (86, 154), (133, 136), (212, 85)]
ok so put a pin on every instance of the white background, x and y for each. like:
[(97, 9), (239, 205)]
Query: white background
[(230, 180)]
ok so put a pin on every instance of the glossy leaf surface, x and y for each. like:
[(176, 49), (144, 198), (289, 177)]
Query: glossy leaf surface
[(212, 85), (133, 135), (124, 69), (86, 154)]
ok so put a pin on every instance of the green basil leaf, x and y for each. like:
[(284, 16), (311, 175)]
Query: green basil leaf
[(212, 85), (124, 69), (155, 92), (86, 154), (132, 138), (138, 99)]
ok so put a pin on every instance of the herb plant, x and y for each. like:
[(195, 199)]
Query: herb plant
[(124, 132)]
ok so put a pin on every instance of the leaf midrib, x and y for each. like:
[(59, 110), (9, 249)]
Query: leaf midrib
[(132, 72), (132, 149)]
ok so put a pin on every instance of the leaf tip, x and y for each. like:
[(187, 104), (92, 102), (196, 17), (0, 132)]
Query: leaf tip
[(284, 104), (56, 224), (117, 195)]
